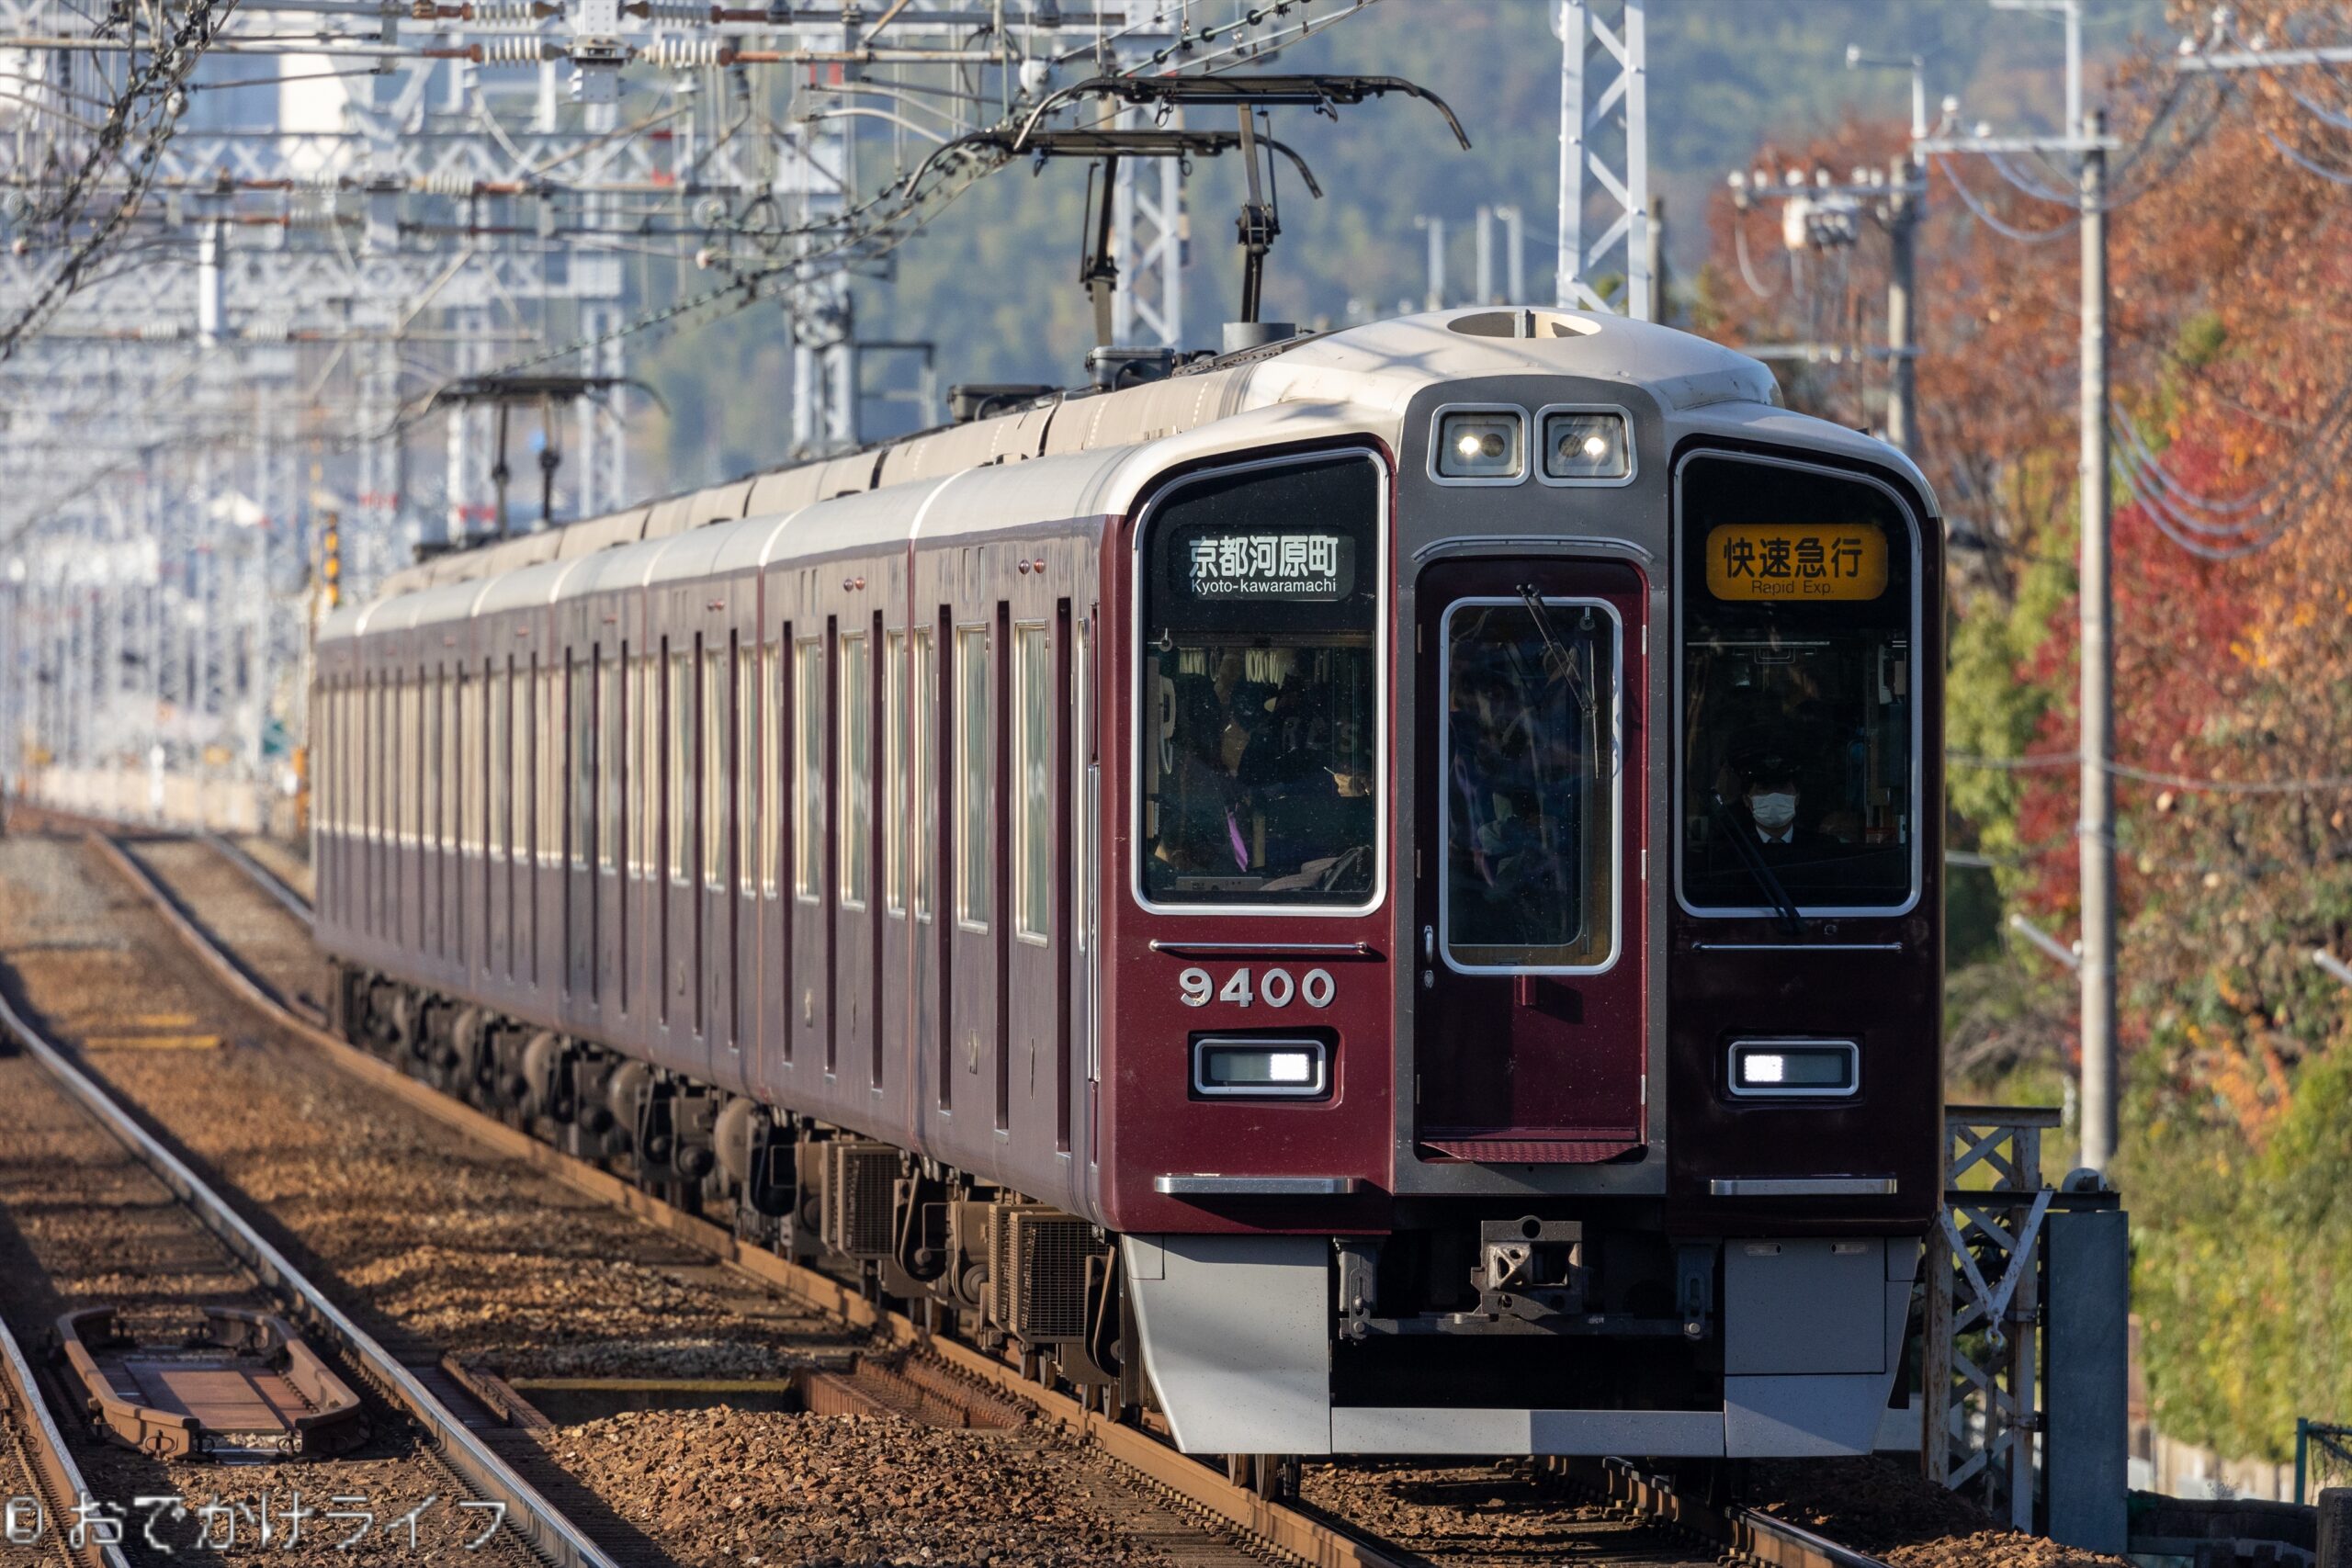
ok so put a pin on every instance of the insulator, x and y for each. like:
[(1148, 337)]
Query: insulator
[(158, 332), (445, 184), (512, 50), (681, 54), (519, 13), (672, 11)]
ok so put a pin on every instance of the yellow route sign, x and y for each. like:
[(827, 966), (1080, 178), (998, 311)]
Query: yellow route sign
[(1798, 562)]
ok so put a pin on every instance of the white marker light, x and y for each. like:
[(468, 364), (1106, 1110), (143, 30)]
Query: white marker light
[(1803, 1068), (1293, 1069)]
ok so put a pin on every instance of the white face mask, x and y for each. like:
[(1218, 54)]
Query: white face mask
[(1774, 811)]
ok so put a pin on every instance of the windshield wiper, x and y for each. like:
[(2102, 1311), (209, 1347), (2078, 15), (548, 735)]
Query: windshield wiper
[(1743, 841), (1559, 662)]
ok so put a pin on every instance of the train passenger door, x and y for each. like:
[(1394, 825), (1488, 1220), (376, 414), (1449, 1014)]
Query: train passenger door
[(1531, 1045)]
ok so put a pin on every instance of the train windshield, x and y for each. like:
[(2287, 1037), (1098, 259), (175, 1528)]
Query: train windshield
[(1259, 758), (1800, 784)]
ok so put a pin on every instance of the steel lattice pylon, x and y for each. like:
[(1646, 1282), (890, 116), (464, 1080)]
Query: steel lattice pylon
[(1604, 155)]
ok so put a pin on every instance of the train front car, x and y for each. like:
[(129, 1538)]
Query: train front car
[(1524, 932)]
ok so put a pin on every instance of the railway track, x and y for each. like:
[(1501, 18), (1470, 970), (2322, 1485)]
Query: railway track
[(548, 1534), (52, 1479), (1619, 1515)]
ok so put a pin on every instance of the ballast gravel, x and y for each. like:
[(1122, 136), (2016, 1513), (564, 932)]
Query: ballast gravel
[(728, 1488), (1899, 1516)]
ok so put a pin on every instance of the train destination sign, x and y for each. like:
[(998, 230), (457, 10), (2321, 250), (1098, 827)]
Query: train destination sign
[(1765, 561), (1303, 566)]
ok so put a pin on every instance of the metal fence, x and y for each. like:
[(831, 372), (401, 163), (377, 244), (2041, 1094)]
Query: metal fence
[(2323, 1456)]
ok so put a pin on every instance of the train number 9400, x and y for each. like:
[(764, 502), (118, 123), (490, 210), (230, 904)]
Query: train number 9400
[(1274, 988)]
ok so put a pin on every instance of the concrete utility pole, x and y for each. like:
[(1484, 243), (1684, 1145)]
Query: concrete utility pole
[(2095, 834), (1902, 282), (1485, 257), (1434, 300)]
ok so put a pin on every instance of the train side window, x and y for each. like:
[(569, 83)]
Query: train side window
[(922, 830), (714, 769), (894, 772), (1032, 779), (772, 779), (808, 769), (681, 742), (972, 777), (857, 770)]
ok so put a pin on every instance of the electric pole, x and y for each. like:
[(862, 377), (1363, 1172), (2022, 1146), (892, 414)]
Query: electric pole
[(1434, 300), (2095, 832), (1904, 176)]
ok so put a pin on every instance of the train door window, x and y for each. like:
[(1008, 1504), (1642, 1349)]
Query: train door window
[(714, 769), (922, 827), (580, 806), (808, 769), (436, 772), (772, 779), (484, 723), (612, 754), (443, 762), (421, 750), (446, 747), (647, 718), (972, 691), (747, 767), (1033, 780), (501, 765), (894, 772), (1260, 753), (526, 781), (468, 753), (681, 742), (1798, 737), (1528, 819), (549, 831), (856, 771)]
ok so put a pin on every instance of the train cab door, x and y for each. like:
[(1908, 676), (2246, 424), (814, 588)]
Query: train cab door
[(1531, 1045)]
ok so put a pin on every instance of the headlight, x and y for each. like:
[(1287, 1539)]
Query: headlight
[(1587, 445), (1481, 446), (1816, 1068), (1238, 1066)]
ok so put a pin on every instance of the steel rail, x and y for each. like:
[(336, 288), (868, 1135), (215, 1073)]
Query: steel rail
[(54, 1471), (529, 1515), (1755, 1536), (1309, 1539), (293, 903)]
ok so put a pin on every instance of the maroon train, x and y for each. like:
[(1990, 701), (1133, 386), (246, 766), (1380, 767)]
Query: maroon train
[(1376, 895)]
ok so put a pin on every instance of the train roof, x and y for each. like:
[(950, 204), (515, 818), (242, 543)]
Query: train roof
[(1084, 454)]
